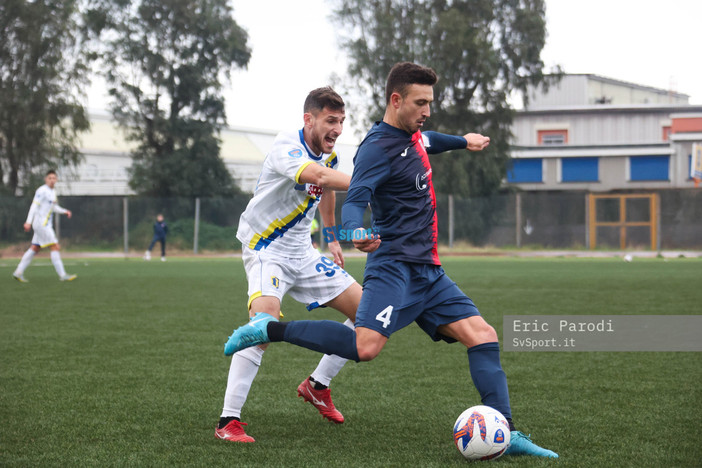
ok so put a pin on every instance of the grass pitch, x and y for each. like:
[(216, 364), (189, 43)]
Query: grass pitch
[(124, 367)]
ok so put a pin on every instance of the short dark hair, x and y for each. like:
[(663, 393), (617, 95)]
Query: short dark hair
[(49, 172), (404, 74), (320, 98)]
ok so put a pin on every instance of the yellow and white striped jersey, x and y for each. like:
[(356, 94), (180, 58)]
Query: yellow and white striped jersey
[(279, 216), (43, 207)]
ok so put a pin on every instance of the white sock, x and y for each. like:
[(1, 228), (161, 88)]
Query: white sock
[(242, 372), (330, 364), (58, 264), (24, 263)]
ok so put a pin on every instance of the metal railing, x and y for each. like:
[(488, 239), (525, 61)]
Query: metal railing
[(666, 219)]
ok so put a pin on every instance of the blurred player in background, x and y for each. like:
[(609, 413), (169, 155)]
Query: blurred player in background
[(298, 175), (403, 280), (40, 217), (160, 231)]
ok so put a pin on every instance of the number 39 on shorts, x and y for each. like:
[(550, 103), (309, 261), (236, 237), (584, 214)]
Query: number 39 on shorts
[(384, 316), (328, 267)]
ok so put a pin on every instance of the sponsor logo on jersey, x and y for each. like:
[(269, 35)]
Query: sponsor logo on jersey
[(315, 190), (311, 189), (275, 282), (421, 183), (296, 153)]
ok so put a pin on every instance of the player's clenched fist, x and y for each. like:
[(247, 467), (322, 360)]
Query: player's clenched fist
[(476, 141)]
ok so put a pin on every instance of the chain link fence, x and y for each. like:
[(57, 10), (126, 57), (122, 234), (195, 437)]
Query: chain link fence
[(533, 220)]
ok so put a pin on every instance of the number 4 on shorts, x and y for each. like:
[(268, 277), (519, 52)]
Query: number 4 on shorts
[(384, 316)]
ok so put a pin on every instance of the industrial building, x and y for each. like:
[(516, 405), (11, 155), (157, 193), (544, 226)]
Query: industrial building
[(598, 134)]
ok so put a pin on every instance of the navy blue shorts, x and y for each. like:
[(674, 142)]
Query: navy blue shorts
[(397, 293)]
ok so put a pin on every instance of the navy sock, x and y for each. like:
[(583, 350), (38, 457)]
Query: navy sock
[(276, 330), (224, 420), (325, 336), (316, 385), (489, 378)]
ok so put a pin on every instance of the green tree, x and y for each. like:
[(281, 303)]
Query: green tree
[(166, 61), (482, 50), (43, 69)]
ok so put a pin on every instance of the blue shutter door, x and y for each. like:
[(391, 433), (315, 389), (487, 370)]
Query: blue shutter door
[(580, 169)]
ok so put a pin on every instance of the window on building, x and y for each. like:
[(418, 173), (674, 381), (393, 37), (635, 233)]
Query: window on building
[(526, 170), (649, 168), (666, 133), (552, 137), (580, 169)]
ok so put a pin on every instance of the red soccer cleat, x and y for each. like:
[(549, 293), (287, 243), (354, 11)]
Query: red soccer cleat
[(320, 399), (234, 432)]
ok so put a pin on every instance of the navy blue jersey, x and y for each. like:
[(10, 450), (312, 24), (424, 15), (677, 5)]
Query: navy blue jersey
[(160, 229), (393, 174)]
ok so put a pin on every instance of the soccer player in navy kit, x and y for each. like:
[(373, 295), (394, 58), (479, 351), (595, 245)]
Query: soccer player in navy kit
[(403, 280), (160, 232)]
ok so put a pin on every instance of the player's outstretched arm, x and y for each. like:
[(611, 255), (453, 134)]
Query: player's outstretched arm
[(324, 177), (440, 142), (476, 141)]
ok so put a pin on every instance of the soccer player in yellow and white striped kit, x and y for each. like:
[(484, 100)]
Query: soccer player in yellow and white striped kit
[(298, 175), (40, 216)]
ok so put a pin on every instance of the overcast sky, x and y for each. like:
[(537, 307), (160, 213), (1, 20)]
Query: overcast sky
[(647, 42)]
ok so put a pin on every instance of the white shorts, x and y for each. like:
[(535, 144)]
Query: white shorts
[(312, 280), (44, 236)]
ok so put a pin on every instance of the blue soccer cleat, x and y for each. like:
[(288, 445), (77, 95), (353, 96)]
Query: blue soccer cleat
[(521, 444), (253, 333)]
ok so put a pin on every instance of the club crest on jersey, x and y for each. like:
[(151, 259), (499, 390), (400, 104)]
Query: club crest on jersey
[(275, 282), (296, 153)]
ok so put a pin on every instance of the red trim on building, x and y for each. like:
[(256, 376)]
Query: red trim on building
[(687, 124), (542, 133)]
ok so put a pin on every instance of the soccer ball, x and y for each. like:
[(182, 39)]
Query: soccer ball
[(481, 433)]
